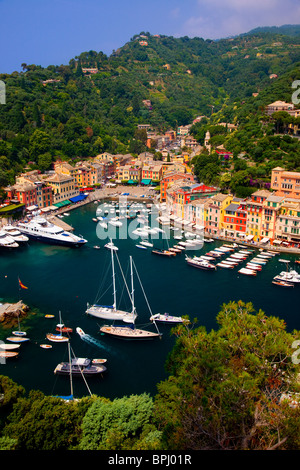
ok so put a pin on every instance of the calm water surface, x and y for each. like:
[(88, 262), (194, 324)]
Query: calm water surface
[(65, 279)]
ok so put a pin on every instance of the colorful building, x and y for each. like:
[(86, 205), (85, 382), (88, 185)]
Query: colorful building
[(63, 186), (287, 225), (169, 178), (254, 207), (271, 208), (285, 183), (235, 219), (214, 213), (182, 192), (25, 193)]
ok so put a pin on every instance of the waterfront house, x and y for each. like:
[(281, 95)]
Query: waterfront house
[(287, 225), (270, 210), (182, 192), (152, 172), (44, 195), (25, 193), (130, 173), (214, 216), (254, 207), (235, 219), (169, 178), (64, 187)]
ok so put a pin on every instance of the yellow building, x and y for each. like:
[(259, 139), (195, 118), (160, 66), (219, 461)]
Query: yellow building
[(254, 213), (287, 226), (63, 186)]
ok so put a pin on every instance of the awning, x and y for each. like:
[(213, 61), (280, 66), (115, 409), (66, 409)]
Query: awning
[(277, 242), (249, 237), (62, 203), (78, 198), (132, 182), (32, 208), (264, 240), (146, 181)]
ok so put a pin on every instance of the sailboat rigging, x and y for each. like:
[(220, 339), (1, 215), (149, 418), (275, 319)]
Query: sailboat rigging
[(131, 332), (67, 368), (110, 312), (58, 338), (163, 251)]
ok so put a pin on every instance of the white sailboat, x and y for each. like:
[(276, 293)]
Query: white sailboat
[(57, 338), (131, 332), (107, 312)]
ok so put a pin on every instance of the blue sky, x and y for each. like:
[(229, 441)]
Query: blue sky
[(53, 32)]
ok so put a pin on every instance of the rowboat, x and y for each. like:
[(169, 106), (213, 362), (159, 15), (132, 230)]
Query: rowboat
[(248, 272), (56, 338), (282, 283), (6, 347), (8, 354)]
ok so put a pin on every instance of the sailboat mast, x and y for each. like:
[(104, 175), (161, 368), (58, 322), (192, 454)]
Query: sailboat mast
[(71, 382), (114, 280), (132, 287)]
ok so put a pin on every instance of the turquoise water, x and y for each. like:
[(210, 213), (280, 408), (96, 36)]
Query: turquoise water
[(65, 279)]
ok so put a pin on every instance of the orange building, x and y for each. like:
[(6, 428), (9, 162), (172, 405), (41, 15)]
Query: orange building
[(25, 193), (286, 183), (169, 178)]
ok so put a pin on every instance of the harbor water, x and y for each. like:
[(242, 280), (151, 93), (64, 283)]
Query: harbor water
[(62, 279)]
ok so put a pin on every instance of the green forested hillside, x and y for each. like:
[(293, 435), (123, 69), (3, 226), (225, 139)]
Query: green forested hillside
[(78, 116)]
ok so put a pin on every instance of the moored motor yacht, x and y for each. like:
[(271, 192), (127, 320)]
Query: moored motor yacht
[(6, 241), (42, 230), (15, 233), (201, 264)]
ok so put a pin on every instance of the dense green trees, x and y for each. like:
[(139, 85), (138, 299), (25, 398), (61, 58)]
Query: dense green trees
[(224, 387), (124, 424), (59, 111), (224, 391)]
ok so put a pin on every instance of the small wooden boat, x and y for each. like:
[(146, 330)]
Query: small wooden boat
[(175, 250), (7, 347), (49, 316), (46, 346), (225, 265), (282, 284), (248, 272), (163, 252), (17, 339), (141, 247), (8, 354), (57, 338), (19, 333), (99, 361), (166, 318), (63, 329), (253, 266)]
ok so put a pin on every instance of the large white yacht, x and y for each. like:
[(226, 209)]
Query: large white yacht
[(6, 241), (42, 230), (15, 233)]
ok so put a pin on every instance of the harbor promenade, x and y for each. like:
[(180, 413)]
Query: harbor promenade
[(149, 195)]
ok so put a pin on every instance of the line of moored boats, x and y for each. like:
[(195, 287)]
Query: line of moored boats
[(237, 256)]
